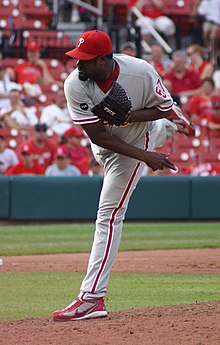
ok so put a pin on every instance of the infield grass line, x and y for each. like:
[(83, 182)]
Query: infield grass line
[(77, 238)]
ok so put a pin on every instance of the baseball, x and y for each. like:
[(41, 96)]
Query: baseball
[(1, 262)]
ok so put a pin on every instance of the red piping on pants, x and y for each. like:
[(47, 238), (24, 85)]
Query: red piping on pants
[(114, 213)]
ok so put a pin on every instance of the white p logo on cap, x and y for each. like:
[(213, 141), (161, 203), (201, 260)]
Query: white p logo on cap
[(81, 40)]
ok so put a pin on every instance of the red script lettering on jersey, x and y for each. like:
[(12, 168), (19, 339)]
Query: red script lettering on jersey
[(160, 90)]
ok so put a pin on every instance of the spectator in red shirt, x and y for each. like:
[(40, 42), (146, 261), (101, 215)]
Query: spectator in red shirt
[(152, 10), (181, 81), (26, 166), (79, 155), (214, 118), (204, 68), (33, 70), (41, 146), (200, 106)]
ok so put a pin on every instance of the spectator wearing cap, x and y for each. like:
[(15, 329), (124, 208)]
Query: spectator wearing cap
[(79, 155), (42, 147), (21, 117), (56, 115), (33, 70), (8, 157), (61, 165), (129, 48), (27, 166), (214, 118)]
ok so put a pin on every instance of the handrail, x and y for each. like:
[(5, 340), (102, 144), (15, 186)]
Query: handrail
[(153, 32)]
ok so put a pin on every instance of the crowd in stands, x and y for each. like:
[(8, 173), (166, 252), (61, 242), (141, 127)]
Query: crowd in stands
[(38, 137)]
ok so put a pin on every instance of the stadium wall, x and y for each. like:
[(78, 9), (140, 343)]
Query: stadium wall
[(76, 198)]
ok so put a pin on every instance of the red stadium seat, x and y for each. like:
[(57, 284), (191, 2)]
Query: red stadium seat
[(14, 138), (175, 7), (210, 157), (214, 143), (55, 67)]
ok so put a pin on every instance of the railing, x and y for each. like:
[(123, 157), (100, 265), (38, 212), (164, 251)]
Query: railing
[(153, 32)]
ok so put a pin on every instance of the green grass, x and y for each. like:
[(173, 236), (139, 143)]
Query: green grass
[(75, 238), (26, 295)]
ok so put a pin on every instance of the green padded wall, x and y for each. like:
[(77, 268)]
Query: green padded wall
[(76, 198), (4, 197), (206, 197), (55, 198), (161, 197)]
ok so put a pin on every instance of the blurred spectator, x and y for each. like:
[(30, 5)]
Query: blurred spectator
[(17, 114), (198, 63), (129, 48), (33, 70), (152, 10), (214, 118), (200, 106), (209, 10), (95, 168), (56, 115), (180, 80), (68, 11), (61, 165), (205, 169), (41, 146), (79, 155), (158, 61), (8, 157), (5, 86), (26, 166)]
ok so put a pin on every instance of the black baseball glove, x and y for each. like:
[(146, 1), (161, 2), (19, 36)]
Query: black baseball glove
[(114, 108)]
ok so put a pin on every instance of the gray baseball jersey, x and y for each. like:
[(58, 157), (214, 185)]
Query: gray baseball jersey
[(121, 174), (141, 83)]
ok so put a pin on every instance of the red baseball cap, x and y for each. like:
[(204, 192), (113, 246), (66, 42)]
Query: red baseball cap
[(26, 149), (61, 152), (73, 132), (34, 46), (90, 45)]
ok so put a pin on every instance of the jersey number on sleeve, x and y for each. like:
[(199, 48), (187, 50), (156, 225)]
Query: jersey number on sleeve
[(160, 89)]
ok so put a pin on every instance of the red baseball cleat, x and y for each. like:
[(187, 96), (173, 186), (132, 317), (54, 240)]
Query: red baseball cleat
[(183, 124), (81, 309)]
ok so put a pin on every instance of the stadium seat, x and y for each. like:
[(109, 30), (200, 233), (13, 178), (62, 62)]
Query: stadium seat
[(9, 62), (55, 67), (210, 157), (70, 65), (175, 7), (214, 143), (14, 138)]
